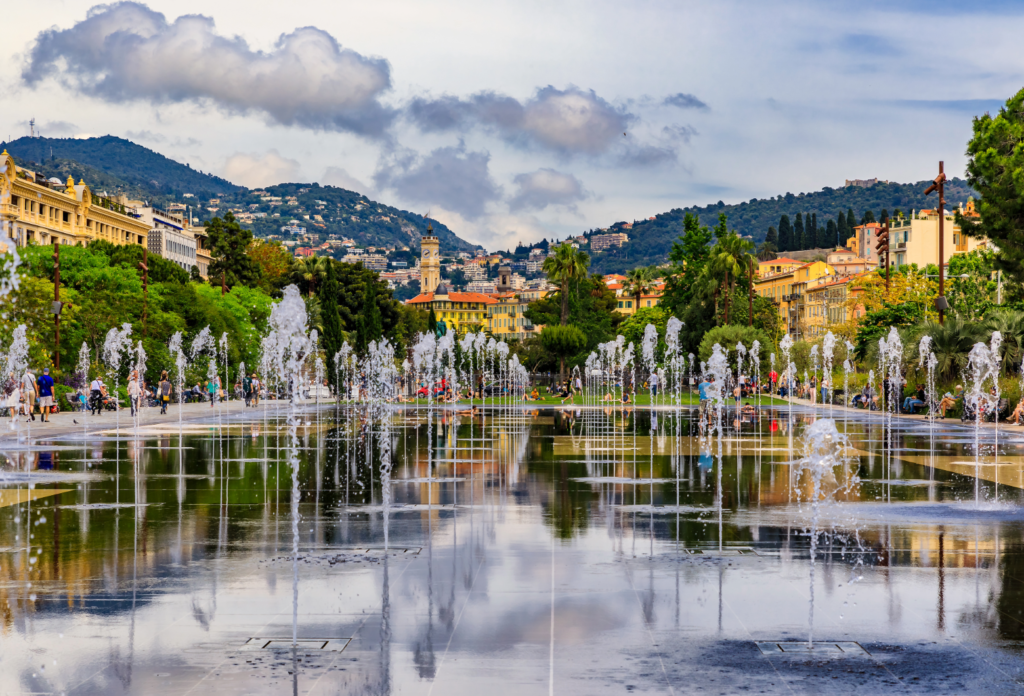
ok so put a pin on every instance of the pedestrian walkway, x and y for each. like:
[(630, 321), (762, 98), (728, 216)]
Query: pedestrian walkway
[(70, 422)]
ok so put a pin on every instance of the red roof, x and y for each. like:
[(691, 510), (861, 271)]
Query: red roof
[(454, 297), (781, 260)]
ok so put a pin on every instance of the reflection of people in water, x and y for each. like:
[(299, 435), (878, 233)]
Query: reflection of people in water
[(706, 461), (46, 461)]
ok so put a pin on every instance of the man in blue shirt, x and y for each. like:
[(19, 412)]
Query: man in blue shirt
[(45, 382), (702, 392)]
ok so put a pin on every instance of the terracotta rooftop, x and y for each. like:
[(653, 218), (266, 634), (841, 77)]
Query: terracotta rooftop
[(454, 297)]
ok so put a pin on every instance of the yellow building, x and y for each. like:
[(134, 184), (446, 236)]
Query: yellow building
[(827, 306), (787, 289), (627, 304), (44, 211), (462, 312), (775, 266), (506, 317)]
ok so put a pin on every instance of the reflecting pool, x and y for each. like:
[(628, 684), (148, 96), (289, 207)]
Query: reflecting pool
[(578, 551)]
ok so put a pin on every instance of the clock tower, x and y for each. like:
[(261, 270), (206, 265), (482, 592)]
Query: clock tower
[(430, 261)]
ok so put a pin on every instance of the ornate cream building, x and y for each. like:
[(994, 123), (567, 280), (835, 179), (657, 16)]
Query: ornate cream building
[(36, 210)]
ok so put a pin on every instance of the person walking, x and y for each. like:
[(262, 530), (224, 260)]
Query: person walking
[(164, 392), (28, 390), (134, 391), (45, 383), (211, 390), (654, 385), (247, 390), (256, 387)]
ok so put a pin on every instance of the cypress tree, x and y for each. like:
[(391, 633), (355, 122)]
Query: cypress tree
[(812, 231), (369, 326), (331, 320), (884, 217), (832, 234), (868, 217), (799, 240), (432, 322), (851, 219), (785, 234), (772, 237), (842, 230)]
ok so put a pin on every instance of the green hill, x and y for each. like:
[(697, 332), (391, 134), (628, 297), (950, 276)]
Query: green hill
[(650, 240), (114, 166), (133, 164)]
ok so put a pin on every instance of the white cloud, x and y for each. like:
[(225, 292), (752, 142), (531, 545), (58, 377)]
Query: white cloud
[(336, 176), (254, 170), (127, 52)]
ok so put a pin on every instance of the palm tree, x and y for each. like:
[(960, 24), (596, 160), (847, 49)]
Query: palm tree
[(1009, 323), (639, 282), (728, 261), (951, 343), (567, 264), (309, 270)]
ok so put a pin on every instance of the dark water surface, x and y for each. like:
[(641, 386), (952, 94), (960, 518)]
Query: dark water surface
[(568, 552)]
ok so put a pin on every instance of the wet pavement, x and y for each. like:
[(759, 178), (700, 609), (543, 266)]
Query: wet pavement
[(548, 551)]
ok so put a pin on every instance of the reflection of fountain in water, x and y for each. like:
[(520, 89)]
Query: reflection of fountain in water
[(822, 477)]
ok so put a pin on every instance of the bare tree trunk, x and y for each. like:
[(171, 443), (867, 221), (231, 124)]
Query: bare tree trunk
[(727, 293), (751, 274), (565, 302)]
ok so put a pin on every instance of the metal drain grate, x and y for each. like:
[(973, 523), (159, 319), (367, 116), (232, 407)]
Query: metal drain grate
[(801, 647), (304, 644)]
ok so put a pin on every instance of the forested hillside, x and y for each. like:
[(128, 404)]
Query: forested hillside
[(134, 164), (650, 240), (113, 166)]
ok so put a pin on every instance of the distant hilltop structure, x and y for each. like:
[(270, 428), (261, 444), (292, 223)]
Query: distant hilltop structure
[(863, 183)]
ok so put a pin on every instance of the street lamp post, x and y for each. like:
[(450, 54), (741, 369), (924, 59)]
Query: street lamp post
[(939, 185), (56, 304)]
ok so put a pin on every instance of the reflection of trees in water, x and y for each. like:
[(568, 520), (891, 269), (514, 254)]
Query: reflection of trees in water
[(1010, 601)]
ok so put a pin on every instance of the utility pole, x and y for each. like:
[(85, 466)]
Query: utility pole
[(939, 184), (882, 247), (56, 304), (144, 266)]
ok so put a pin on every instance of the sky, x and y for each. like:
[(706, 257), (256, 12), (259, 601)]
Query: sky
[(516, 121)]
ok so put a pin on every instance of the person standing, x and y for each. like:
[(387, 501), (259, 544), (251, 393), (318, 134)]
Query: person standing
[(247, 390), (211, 390), (256, 386), (134, 391), (28, 389), (96, 396), (45, 383), (654, 385), (164, 391)]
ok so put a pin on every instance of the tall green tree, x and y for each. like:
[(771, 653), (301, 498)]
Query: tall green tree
[(565, 266), (851, 219), (785, 234), (995, 168), (562, 341), (432, 322), (832, 234), (799, 240), (331, 319), (368, 324), (772, 237), (818, 242), (841, 227), (229, 247)]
